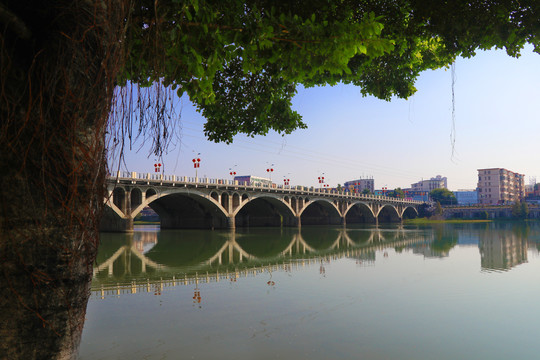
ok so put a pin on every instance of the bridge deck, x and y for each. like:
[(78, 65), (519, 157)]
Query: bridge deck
[(133, 178)]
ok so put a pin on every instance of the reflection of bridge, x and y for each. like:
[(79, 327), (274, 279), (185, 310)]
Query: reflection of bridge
[(124, 254), (231, 254), (243, 264), (182, 202)]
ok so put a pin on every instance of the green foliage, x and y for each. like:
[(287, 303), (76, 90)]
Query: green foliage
[(241, 61), (443, 196), (366, 191), (397, 193), (438, 209), (520, 210)]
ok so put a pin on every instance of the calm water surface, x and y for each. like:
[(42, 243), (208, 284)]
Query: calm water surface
[(439, 292)]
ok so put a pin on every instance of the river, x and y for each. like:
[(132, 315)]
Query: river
[(449, 291)]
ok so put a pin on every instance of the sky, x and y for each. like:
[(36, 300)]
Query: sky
[(397, 143)]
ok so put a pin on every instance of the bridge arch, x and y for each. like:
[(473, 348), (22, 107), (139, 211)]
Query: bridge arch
[(136, 197), (119, 198), (320, 212), (225, 200), (409, 212), (359, 212), (183, 208), (264, 210), (388, 213), (150, 192)]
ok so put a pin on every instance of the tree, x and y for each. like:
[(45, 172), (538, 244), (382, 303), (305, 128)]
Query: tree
[(438, 209), (66, 64), (366, 191), (397, 193), (443, 196), (520, 210)]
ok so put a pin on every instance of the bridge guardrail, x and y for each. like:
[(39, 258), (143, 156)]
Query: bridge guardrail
[(173, 179)]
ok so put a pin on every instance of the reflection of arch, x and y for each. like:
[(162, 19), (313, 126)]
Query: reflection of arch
[(336, 243), (109, 263), (297, 242), (229, 246)]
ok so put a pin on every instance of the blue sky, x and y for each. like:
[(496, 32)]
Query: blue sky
[(497, 113)]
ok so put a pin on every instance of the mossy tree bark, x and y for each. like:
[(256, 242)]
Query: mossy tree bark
[(58, 62)]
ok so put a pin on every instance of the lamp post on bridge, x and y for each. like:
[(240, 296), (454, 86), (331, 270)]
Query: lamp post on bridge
[(321, 180), (270, 171), (286, 182), (157, 167), (196, 165)]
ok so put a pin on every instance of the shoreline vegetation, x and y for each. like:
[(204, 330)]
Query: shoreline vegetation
[(420, 221), (423, 221), (142, 222)]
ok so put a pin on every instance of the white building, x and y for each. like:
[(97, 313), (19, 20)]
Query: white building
[(428, 185), (359, 185)]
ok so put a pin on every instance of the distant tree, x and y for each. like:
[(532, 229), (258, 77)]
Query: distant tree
[(524, 210), (438, 209), (366, 191), (339, 188), (424, 211), (520, 210), (397, 193), (443, 196)]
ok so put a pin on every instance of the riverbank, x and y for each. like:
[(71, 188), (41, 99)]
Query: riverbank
[(425, 221), (146, 222)]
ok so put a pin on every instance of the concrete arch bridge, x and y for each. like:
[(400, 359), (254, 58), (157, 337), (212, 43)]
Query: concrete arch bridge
[(183, 203)]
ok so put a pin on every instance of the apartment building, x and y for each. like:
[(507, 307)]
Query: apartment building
[(428, 185), (500, 186), (359, 185)]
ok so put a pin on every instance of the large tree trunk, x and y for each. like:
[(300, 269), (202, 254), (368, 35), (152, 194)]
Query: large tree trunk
[(58, 62)]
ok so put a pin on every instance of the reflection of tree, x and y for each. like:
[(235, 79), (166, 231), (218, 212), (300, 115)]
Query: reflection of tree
[(443, 245), (444, 239)]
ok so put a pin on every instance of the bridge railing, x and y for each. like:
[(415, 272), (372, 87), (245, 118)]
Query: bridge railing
[(158, 177)]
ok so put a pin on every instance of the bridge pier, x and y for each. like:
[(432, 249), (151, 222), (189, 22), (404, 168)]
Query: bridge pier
[(111, 222), (298, 222), (231, 223), (344, 221)]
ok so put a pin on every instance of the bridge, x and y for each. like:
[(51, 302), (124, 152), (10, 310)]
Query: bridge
[(202, 203)]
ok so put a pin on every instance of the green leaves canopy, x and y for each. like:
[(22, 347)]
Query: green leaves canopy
[(240, 61), (443, 196)]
